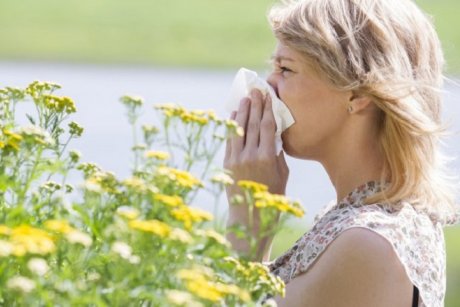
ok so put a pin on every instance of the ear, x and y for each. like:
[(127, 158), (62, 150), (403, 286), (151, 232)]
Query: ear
[(358, 102)]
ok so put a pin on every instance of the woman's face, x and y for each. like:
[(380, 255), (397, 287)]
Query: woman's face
[(319, 110)]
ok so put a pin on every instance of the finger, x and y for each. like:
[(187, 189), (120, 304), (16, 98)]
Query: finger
[(228, 145), (283, 166), (268, 127), (241, 118), (255, 115)]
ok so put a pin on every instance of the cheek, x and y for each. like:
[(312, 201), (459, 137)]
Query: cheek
[(317, 122)]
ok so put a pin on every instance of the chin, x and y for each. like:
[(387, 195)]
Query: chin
[(290, 150), (297, 153)]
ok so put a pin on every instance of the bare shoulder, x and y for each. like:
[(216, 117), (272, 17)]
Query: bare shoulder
[(359, 268)]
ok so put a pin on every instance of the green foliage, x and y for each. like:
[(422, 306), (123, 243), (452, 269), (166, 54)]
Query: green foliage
[(204, 33), (453, 266), (445, 16), (110, 241), (162, 32)]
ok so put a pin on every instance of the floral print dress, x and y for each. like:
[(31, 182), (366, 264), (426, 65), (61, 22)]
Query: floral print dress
[(417, 239)]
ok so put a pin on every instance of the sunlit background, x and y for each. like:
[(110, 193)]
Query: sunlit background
[(184, 51)]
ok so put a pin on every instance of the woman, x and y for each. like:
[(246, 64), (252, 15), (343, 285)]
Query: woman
[(362, 80)]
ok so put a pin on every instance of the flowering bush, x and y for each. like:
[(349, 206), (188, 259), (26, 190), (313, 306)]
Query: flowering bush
[(110, 241)]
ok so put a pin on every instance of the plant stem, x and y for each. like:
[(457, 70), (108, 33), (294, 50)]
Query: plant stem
[(29, 178)]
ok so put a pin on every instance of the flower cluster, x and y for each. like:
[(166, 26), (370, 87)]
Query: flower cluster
[(278, 202), (133, 241), (9, 141), (158, 155), (36, 89), (201, 282), (25, 239), (252, 186), (178, 177), (59, 104), (199, 117)]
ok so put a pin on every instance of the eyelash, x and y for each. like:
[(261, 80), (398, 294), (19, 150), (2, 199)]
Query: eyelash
[(280, 69), (284, 69)]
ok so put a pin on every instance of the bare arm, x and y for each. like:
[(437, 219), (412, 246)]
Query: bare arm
[(358, 269)]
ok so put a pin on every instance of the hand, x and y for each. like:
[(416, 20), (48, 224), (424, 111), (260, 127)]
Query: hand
[(253, 157)]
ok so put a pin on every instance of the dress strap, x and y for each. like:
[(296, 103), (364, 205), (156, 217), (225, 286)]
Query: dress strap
[(415, 297)]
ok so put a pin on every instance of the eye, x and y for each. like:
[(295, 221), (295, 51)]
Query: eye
[(284, 69)]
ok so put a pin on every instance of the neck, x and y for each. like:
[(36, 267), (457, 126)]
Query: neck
[(356, 161)]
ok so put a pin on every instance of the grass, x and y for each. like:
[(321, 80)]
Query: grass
[(287, 237), (162, 32), (453, 266), (193, 33)]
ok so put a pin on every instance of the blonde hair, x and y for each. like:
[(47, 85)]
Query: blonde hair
[(389, 51)]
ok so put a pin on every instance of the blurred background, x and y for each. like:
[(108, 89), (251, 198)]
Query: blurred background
[(183, 51)]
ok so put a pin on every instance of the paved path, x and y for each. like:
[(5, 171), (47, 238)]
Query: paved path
[(107, 138)]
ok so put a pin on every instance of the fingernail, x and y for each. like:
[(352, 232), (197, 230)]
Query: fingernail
[(254, 92), (244, 102)]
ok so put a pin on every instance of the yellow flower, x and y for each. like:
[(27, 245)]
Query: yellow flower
[(278, 202), (204, 289), (189, 215), (26, 239), (35, 88), (264, 275), (199, 281), (135, 183), (149, 129), (197, 117), (59, 104), (252, 186), (233, 128), (133, 101), (75, 129), (171, 201), (153, 226), (5, 230), (59, 226), (128, 212), (155, 154), (100, 181), (234, 290), (212, 115), (170, 110), (181, 178), (71, 234), (13, 140)]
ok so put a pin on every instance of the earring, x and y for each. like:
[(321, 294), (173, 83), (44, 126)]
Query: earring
[(350, 109)]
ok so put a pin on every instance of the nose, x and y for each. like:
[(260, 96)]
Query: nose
[(271, 80)]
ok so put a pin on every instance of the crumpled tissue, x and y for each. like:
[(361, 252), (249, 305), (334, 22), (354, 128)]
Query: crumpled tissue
[(245, 80)]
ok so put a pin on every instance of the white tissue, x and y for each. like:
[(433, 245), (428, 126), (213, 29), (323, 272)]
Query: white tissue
[(245, 80)]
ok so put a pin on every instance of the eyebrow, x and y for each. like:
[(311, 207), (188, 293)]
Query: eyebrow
[(279, 58)]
